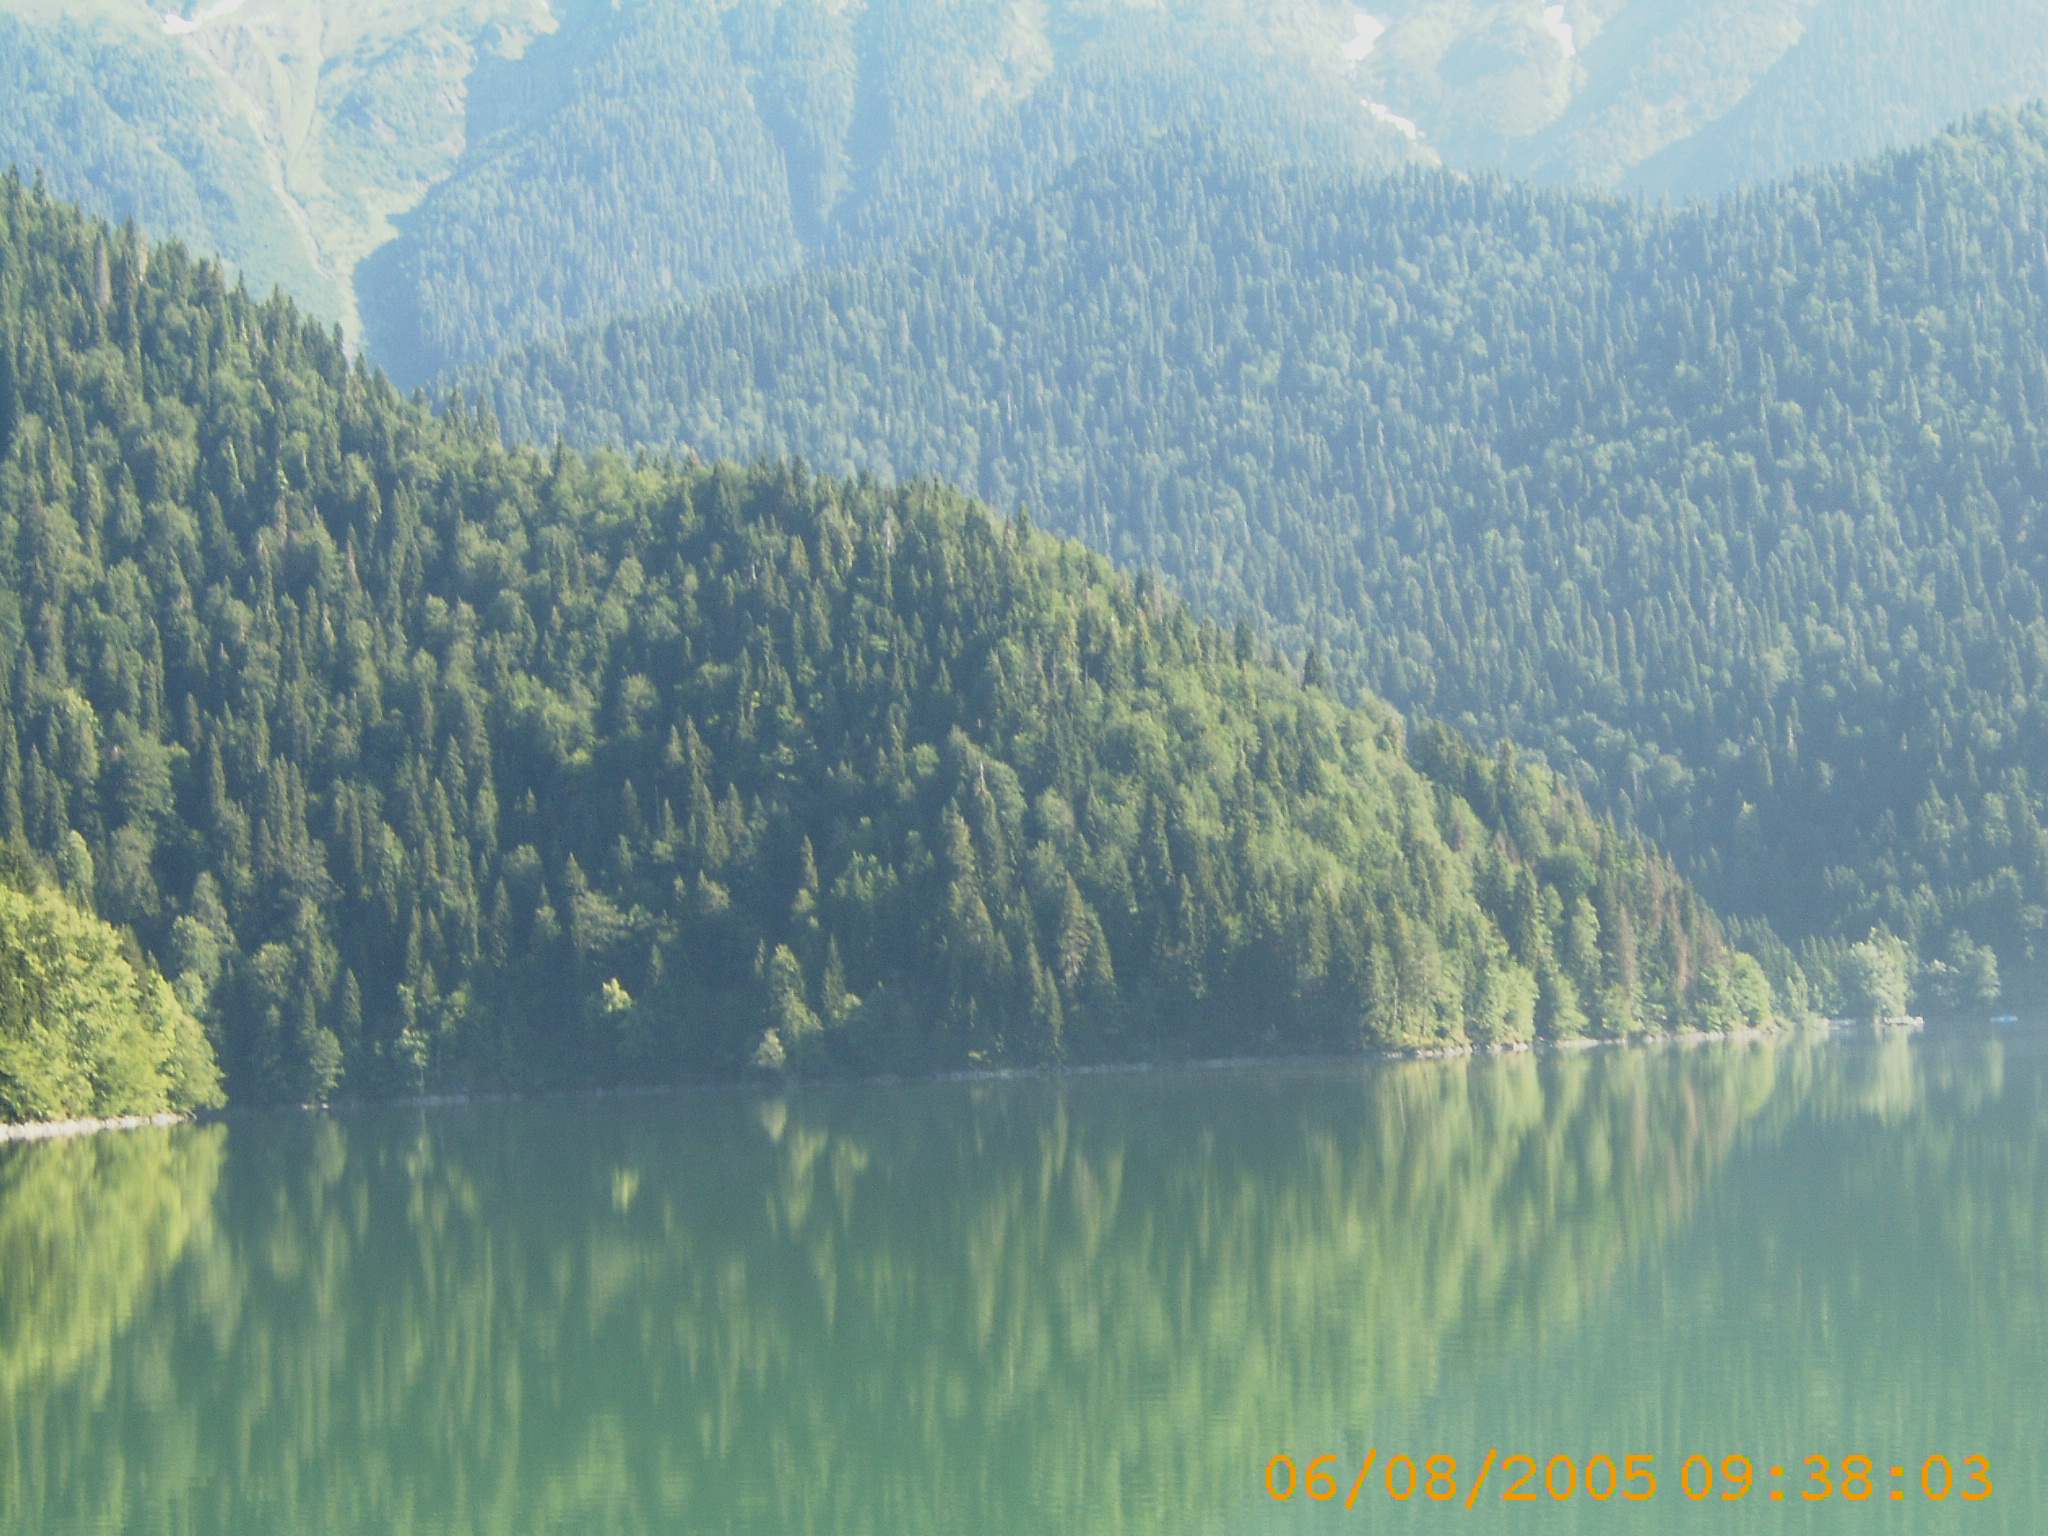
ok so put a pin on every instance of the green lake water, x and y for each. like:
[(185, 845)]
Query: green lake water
[(1098, 1304)]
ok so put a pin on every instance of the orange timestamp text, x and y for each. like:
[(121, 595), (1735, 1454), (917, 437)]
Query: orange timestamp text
[(1631, 1478)]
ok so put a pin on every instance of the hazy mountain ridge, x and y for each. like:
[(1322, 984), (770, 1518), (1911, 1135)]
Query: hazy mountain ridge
[(698, 144), (1735, 509), (283, 135), (519, 166)]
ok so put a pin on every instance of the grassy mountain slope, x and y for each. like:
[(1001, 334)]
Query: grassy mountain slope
[(423, 761), (133, 129), (282, 135), (1733, 511)]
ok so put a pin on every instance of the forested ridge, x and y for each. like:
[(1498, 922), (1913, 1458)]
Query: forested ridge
[(692, 149), (416, 760), (1732, 511), (129, 129), (511, 167)]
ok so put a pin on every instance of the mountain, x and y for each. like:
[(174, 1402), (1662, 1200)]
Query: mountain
[(1861, 79), (420, 760), (445, 178), (517, 166), (136, 131), (87, 1027), (282, 135), (1691, 97), (1732, 511), (684, 150)]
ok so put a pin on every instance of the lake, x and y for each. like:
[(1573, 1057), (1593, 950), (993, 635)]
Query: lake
[(1092, 1304)]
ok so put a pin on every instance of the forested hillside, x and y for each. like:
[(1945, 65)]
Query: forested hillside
[(1735, 512), (1691, 97), (131, 130), (449, 177), (416, 760), (691, 149), (517, 166)]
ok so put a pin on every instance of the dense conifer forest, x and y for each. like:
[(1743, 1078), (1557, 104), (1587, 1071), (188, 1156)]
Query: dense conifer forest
[(511, 167), (810, 140), (130, 128), (1733, 511), (414, 760)]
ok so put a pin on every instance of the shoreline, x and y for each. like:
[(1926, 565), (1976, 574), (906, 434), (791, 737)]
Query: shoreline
[(1690, 1037), (761, 1082), (60, 1130), (64, 1130)]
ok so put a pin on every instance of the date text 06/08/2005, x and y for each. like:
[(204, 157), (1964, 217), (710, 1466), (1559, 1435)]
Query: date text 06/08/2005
[(1630, 1478)]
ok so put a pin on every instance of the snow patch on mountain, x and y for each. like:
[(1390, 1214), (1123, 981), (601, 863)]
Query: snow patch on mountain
[(1407, 127), (1366, 31), (1559, 28), (180, 26)]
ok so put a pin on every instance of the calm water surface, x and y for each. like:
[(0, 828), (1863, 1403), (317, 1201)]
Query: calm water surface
[(1095, 1305)]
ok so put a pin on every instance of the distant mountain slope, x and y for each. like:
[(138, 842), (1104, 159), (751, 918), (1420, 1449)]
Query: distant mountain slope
[(280, 134), (1736, 512), (689, 149), (1691, 96), (136, 132), (509, 168), (1861, 79), (521, 165), (422, 761)]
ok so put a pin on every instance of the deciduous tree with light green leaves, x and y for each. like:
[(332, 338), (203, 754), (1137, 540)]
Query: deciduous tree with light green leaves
[(87, 1029)]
